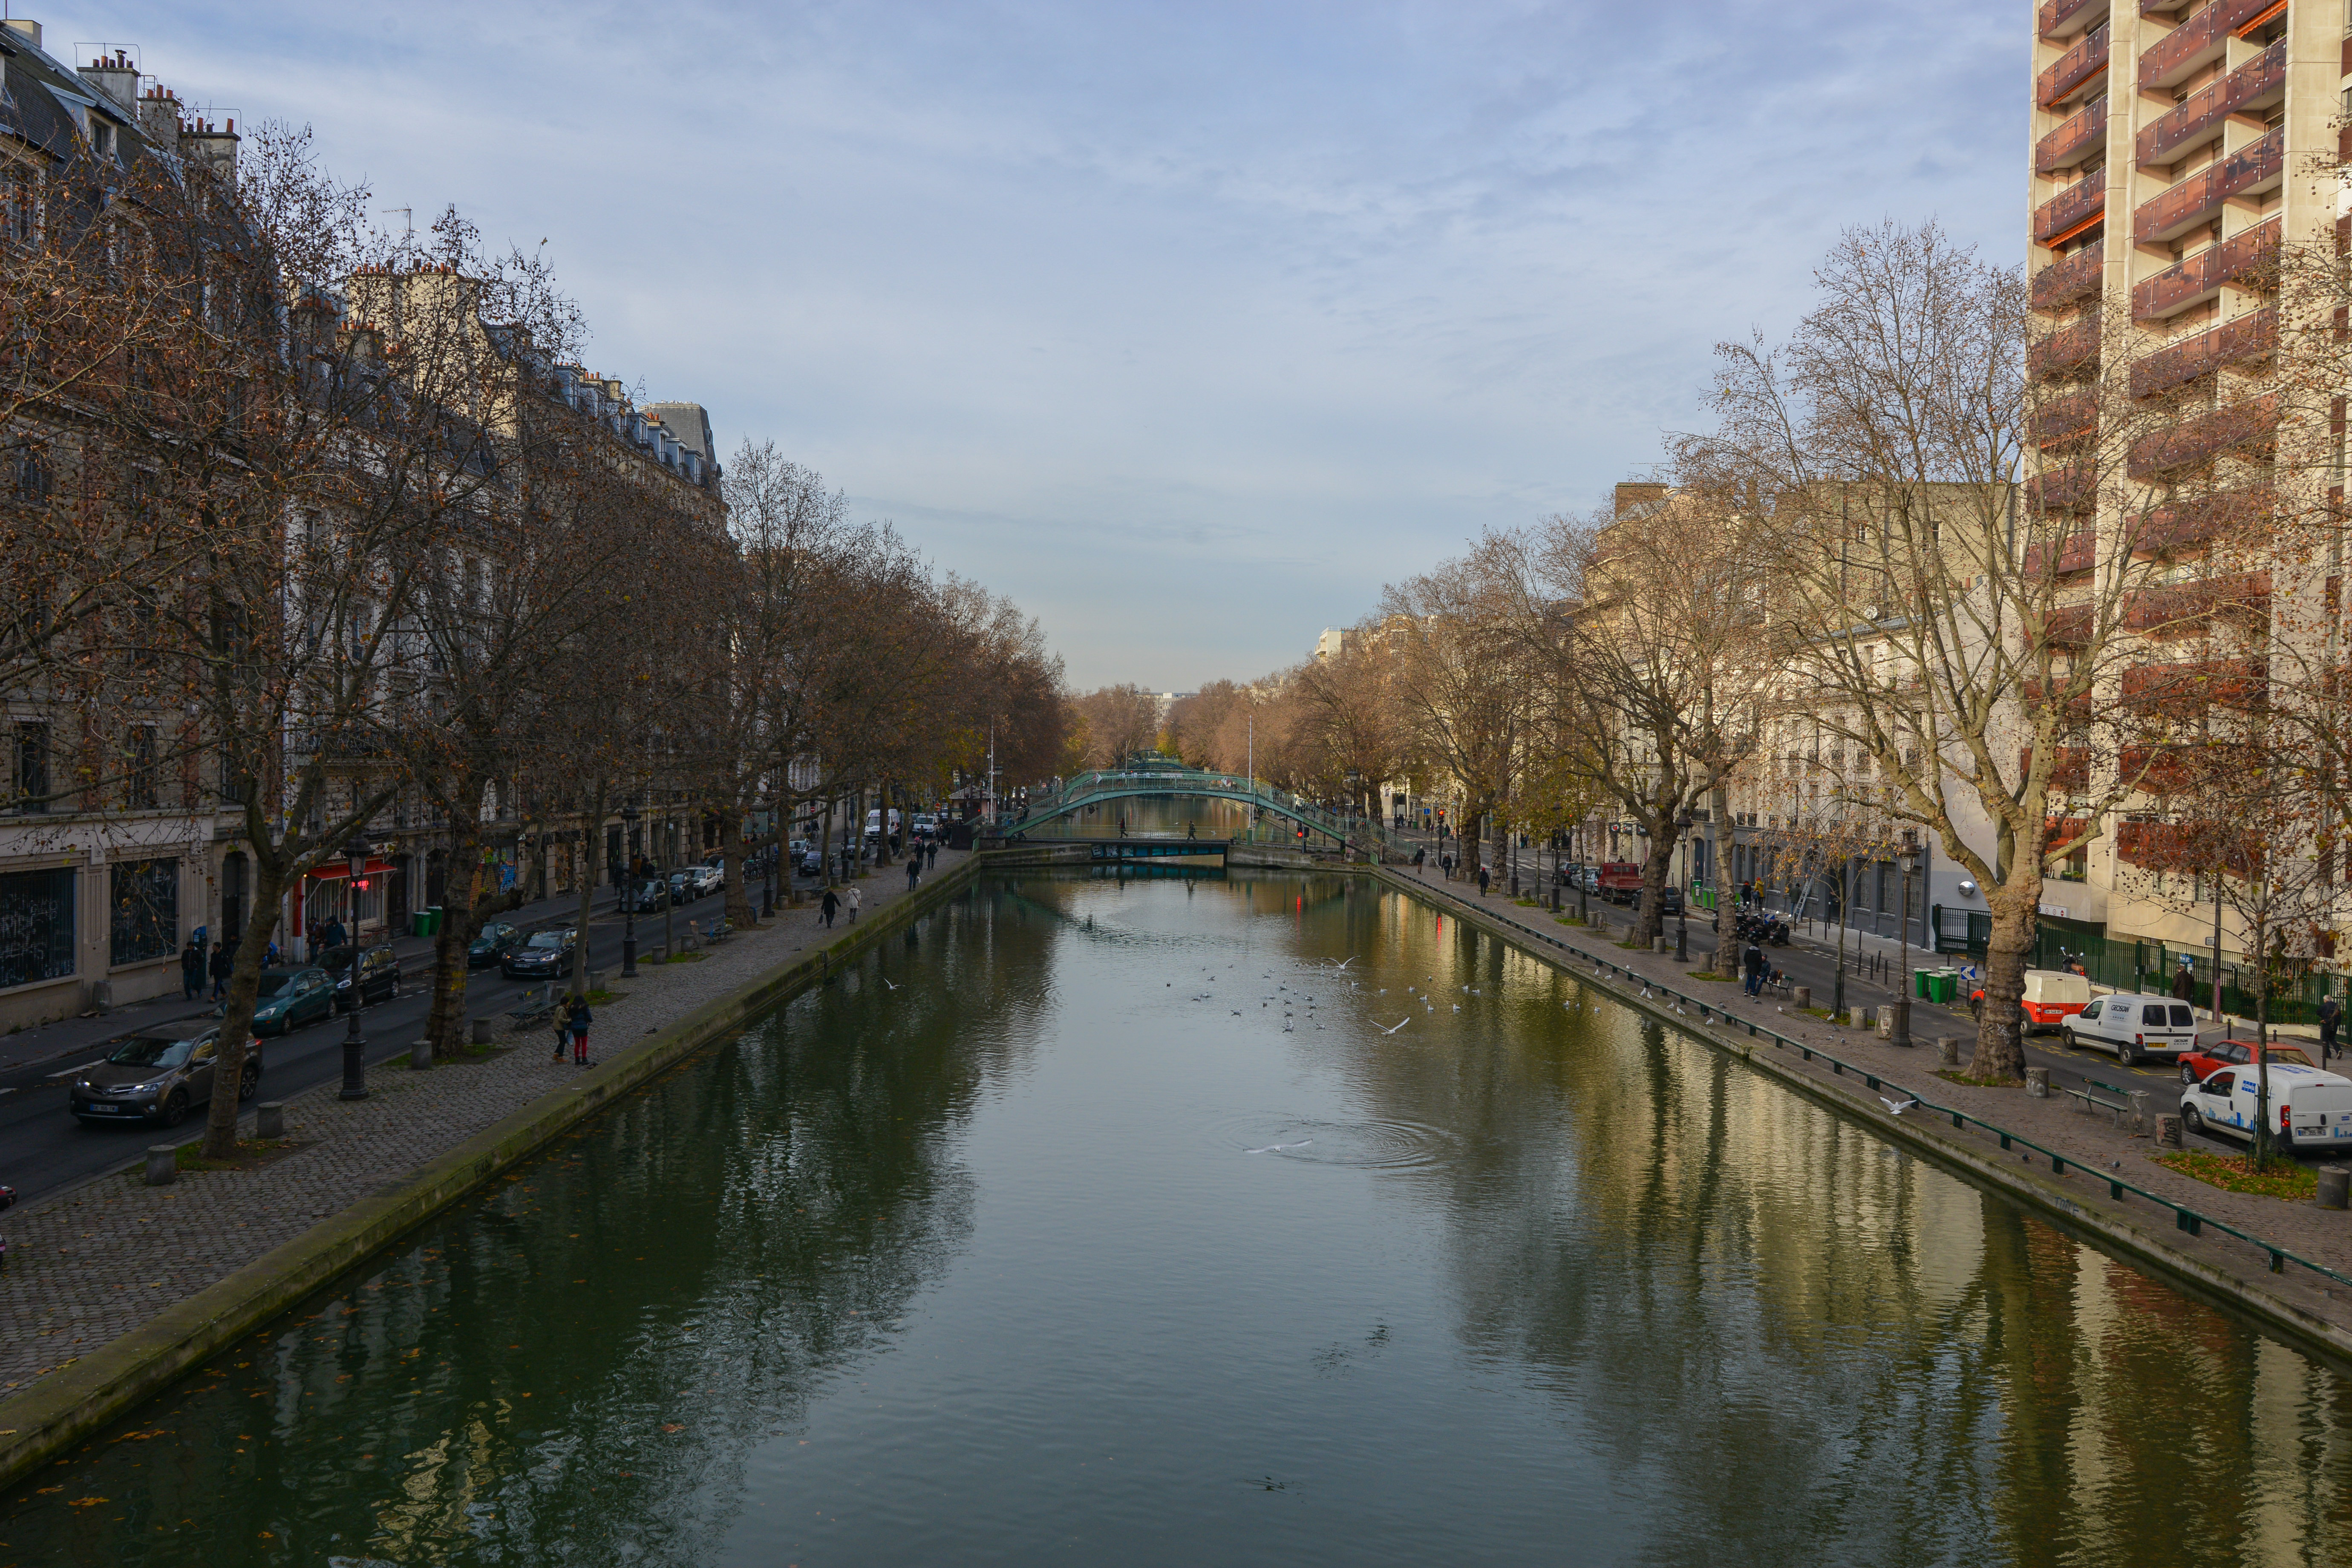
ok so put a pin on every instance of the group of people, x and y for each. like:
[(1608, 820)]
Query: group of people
[(573, 1019), (196, 967)]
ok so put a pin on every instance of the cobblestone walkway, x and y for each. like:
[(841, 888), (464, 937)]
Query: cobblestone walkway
[(98, 1261)]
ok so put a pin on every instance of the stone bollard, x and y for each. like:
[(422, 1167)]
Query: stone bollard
[(481, 1031), (269, 1118), (1857, 1017), (420, 1055), (2167, 1131), (1947, 1051), (1885, 1023), (2335, 1186), (2037, 1082), (1800, 995), (162, 1164), (1665, 944), (2139, 1110), (595, 980)]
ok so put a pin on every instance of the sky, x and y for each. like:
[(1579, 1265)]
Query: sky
[(1188, 326)]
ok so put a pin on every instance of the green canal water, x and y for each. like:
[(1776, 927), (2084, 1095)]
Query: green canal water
[(1094, 1221)]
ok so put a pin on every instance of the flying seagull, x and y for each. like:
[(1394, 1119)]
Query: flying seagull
[(886, 980), (1400, 1024), (1896, 1106)]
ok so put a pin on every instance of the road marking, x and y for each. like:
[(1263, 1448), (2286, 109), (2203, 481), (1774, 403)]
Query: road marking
[(64, 1073)]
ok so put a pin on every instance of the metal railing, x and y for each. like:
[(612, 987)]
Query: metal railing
[(1109, 783), (2185, 1219)]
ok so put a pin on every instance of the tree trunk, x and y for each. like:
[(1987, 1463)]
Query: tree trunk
[(1472, 842), (2000, 1045), (445, 1023), (237, 1026), (1726, 915), (739, 902), (1652, 917), (592, 851), (825, 845)]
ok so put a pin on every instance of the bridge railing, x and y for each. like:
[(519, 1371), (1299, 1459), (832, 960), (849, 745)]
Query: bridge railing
[(1073, 791)]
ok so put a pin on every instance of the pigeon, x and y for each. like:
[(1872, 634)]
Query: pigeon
[(1400, 1024), (1896, 1106)]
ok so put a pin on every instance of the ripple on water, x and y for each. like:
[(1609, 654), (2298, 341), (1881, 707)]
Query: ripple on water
[(1376, 1144)]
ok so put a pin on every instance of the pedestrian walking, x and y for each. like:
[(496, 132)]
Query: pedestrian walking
[(223, 961), (1419, 855), (914, 869), (854, 901), (832, 902), (192, 971), (580, 1018), (1753, 961), (2331, 1013), (1483, 877), (562, 1034), (930, 855), (2184, 983)]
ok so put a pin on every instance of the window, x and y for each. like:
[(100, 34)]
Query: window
[(32, 780), (2075, 868), (20, 212), (28, 475), (139, 768), (37, 926), (144, 912)]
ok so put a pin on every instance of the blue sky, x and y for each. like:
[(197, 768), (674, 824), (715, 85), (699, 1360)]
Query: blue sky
[(1187, 325)]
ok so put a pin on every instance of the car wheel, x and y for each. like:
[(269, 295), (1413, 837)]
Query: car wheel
[(2187, 1073), (175, 1108), (2191, 1119), (248, 1082), (2127, 1053)]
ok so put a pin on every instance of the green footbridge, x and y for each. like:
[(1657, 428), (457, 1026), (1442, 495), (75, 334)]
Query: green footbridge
[(1278, 817)]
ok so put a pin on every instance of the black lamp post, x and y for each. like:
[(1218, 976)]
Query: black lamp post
[(1901, 1034), (629, 814), (1682, 926), (355, 858)]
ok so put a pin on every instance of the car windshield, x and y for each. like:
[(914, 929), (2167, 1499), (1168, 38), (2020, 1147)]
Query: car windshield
[(547, 938), (272, 985), (489, 934), (151, 1052)]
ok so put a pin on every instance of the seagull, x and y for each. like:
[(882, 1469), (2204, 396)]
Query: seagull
[(1896, 1106), (1457, 1007), (1400, 1024), (1237, 1012), (1278, 1148), (886, 980), (1645, 992), (1349, 958)]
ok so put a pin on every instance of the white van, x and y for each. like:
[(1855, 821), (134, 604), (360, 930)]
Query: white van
[(2134, 1025), (2312, 1109), (874, 824)]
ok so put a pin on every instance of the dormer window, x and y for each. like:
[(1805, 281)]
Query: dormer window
[(102, 136)]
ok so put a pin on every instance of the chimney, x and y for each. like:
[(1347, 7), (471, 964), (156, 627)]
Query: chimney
[(30, 31), (214, 148), (159, 117), (116, 76)]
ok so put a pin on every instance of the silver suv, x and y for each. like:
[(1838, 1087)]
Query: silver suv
[(154, 1076)]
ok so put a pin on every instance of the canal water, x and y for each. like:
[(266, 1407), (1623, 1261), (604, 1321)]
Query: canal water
[(1177, 1220)]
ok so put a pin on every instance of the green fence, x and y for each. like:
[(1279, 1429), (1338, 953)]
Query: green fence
[(2132, 963)]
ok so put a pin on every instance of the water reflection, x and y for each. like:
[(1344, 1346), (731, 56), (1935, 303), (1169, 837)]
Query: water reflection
[(1235, 1220)]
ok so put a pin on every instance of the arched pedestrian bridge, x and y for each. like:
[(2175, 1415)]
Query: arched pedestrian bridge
[(1277, 817)]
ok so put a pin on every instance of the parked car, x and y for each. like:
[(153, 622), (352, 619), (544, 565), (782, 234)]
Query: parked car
[(287, 998), (496, 940), (376, 972), (2312, 1109), (812, 862), (2197, 1064), (1620, 881), (2134, 1025), (2052, 996), (155, 1075), (925, 825), (1670, 899), (648, 896), (544, 955)]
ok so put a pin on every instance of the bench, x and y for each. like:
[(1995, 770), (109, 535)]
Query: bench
[(717, 930), (2117, 1109), (535, 1008)]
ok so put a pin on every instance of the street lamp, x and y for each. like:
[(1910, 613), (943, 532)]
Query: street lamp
[(1682, 910), (355, 858), (1909, 861), (629, 814)]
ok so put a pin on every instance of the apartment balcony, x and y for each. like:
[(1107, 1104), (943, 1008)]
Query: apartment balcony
[(2248, 340), (2077, 69), (2198, 199), (2070, 626), (2072, 489), (2197, 43), (2189, 125), (2184, 608), (2242, 261), (2072, 210), (2249, 426), (2059, 420), (2171, 770), (2186, 690), (2072, 350), (2077, 711), (2062, 283), (2063, 18), (2069, 767), (2078, 551), (2072, 142), (2193, 524)]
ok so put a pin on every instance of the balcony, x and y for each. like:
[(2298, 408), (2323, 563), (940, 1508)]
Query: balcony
[(2191, 525), (2248, 340), (2182, 608), (2185, 691), (2071, 489), (2072, 210), (2064, 418), (2069, 767), (2070, 626), (2077, 140), (2072, 350), (2198, 199), (2065, 18), (2076, 70), (2078, 551), (2171, 770), (2198, 42), (2243, 260), (2249, 426), (2190, 125), (2062, 283)]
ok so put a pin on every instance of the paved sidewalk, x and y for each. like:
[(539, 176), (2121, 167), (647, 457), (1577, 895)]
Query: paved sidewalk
[(2323, 1236), (96, 1261)]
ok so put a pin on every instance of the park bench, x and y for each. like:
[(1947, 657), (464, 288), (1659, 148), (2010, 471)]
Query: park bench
[(717, 930), (536, 1006), (2090, 1101)]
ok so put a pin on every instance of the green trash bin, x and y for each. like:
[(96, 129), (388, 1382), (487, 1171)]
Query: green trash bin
[(1944, 985), (432, 919), (417, 923)]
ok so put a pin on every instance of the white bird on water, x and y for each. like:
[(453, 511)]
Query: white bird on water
[(1278, 1148), (1400, 1024), (1896, 1106)]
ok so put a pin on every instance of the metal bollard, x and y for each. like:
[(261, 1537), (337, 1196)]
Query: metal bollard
[(2335, 1186), (420, 1055), (2167, 1131), (162, 1164), (269, 1118), (2037, 1082), (481, 1031), (1947, 1051), (1800, 996)]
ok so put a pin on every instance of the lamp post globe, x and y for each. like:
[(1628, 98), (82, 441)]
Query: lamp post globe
[(355, 860)]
